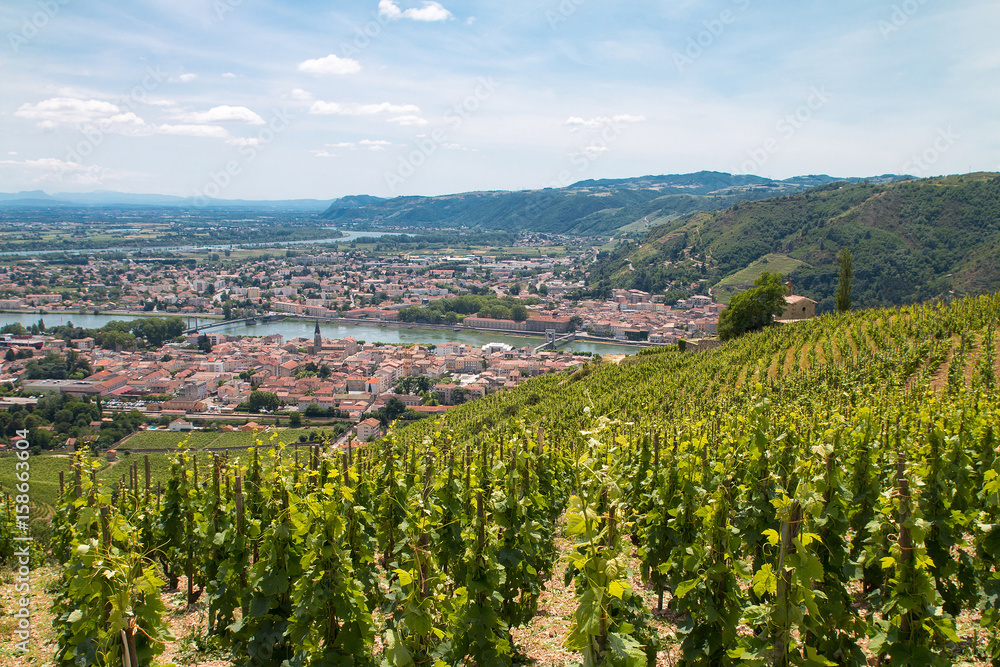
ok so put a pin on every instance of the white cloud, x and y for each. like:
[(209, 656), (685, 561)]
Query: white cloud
[(124, 123), (108, 117), (364, 144), (375, 145), (385, 107), (575, 123), (404, 111), (228, 75), (431, 11), (594, 150), (222, 114), (408, 121), (389, 9), (301, 95), (156, 102), (54, 170), (183, 78), (59, 110), (211, 131), (330, 65), (321, 108), (243, 141)]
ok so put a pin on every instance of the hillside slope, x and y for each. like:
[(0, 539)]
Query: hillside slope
[(911, 240), (867, 356), (595, 207)]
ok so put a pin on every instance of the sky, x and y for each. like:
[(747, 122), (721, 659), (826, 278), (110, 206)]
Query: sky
[(259, 99)]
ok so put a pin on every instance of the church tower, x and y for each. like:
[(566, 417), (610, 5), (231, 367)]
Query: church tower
[(317, 340)]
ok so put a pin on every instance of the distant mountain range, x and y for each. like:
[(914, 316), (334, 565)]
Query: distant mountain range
[(107, 198), (592, 208)]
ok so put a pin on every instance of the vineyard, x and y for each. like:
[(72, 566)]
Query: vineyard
[(826, 493)]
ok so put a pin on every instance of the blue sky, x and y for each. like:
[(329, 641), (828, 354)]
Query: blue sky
[(259, 99)]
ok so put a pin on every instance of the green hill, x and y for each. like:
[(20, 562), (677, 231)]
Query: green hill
[(591, 208), (868, 355), (912, 240)]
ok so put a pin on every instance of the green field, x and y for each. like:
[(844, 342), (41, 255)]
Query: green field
[(733, 283), (45, 468), (162, 439)]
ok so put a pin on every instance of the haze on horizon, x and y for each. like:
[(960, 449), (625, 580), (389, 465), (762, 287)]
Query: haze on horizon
[(257, 99)]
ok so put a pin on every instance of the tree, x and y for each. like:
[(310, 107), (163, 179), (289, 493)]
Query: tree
[(846, 280), (264, 400), (754, 309)]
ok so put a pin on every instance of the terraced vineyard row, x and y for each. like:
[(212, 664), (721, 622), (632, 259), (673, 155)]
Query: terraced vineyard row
[(826, 493)]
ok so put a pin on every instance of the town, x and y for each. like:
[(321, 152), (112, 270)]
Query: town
[(200, 374), (353, 285)]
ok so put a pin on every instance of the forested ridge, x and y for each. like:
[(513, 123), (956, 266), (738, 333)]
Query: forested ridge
[(911, 240), (586, 208)]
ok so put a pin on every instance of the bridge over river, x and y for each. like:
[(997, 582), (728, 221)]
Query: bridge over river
[(551, 342), (224, 323)]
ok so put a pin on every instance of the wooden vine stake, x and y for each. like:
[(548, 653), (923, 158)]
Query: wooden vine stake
[(602, 637), (789, 533), (129, 657), (480, 515), (238, 493), (216, 485), (105, 527), (905, 539), (656, 451)]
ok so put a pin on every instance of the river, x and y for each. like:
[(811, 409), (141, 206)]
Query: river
[(304, 329)]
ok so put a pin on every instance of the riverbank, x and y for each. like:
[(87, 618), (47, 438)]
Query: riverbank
[(131, 314), (351, 321), (359, 329)]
